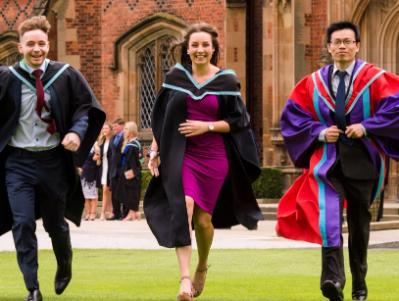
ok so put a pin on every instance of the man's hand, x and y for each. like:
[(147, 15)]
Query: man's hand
[(355, 131), (332, 134), (71, 142)]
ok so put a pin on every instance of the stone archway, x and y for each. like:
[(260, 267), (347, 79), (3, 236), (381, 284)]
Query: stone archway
[(8, 48), (389, 60), (127, 61), (379, 28), (389, 40), (358, 12)]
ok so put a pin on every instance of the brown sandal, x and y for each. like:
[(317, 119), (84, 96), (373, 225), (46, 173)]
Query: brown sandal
[(185, 296), (199, 281)]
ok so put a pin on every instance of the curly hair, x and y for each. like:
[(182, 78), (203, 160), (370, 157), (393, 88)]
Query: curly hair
[(37, 22)]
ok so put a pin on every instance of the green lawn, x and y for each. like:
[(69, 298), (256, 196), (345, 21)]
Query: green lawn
[(235, 275)]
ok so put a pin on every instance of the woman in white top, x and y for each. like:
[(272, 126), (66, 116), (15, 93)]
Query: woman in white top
[(103, 156)]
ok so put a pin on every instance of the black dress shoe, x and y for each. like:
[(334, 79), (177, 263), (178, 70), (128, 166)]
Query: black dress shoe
[(359, 290), (35, 295), (360, 294), (63, 252), (63, 277), (332, 290)]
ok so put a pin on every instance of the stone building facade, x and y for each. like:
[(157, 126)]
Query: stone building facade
[(121, 46)]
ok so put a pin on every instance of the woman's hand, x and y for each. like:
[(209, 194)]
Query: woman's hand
[(129, 174), (193, 128), (153, 163)]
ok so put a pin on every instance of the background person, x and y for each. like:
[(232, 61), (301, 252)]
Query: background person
[(104, 158), (89, 180), (128, 188), (115, 146)]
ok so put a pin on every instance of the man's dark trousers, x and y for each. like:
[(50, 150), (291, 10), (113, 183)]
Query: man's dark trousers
[(354, 178), (37, 185)]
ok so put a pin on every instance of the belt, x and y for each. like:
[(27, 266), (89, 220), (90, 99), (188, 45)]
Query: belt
[(30, 152)]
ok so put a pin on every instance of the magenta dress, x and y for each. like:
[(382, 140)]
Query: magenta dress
[(205, 164)]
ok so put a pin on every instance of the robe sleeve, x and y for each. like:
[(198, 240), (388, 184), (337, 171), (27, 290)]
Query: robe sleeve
[(133, 161), (158, 114), (299, 128), (84, 103), (236, 114), (383, 126)]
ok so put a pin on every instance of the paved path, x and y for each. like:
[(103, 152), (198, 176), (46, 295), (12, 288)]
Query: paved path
[(137, 235)]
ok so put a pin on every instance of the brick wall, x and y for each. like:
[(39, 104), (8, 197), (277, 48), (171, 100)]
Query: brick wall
[(117, 17), (88, 44), (317, 21), (12, 15)]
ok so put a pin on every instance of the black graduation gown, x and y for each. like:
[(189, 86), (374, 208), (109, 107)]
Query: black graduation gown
[(164, 204), (71, 98), (128, 191)]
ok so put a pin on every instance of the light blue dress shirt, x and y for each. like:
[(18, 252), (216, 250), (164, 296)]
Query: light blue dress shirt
[(31, 132)]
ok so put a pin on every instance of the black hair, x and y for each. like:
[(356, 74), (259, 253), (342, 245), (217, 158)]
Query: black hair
[(343, 25)]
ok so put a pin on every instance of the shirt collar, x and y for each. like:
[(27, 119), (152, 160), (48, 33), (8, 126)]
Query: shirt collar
[(30, 70), (348, 70)]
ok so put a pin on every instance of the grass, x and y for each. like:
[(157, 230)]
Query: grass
[(235, 275)]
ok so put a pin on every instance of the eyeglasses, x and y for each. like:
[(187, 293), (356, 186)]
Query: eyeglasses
[(345, 42)]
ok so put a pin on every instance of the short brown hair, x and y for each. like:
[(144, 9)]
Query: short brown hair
[(37, 22), (119, 121)]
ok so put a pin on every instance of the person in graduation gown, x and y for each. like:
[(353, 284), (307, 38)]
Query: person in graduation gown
[(203, 156), (49, 120), (128, 187), (339, 124)]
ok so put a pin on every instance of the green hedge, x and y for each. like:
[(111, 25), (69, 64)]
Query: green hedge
[(145, 180), (269, 185)]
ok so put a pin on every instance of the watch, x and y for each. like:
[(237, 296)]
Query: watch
[(211, 127)]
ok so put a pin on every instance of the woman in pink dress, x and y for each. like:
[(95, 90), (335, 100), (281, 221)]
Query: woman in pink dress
[(203, 157)]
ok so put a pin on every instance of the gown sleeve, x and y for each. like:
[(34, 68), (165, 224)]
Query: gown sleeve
[(299, 128), (383, 126), (158, 114)]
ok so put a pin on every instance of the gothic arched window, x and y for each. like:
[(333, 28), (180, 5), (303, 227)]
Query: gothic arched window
[(154, 61)]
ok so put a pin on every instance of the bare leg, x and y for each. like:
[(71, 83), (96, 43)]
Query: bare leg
[(204, 232), (106, 210), (184, 256), (87, 209), (93, 209), (131, 216)]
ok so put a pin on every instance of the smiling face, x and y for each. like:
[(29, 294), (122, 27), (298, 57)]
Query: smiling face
[(343, 46), (106, 130), (34, 47), (200, 48)]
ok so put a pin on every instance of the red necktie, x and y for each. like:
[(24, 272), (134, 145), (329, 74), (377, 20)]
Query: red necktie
[(41, 103), (39, 92)]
